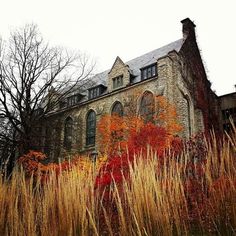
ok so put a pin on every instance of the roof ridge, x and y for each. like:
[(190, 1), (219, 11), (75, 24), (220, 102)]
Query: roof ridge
[(155, 50), (144, 60), (107, 70)]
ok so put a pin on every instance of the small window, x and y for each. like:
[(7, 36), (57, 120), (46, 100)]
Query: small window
[(117, 109), (117, 81), (147, 107), (91, 128), (68, 130), (96, 91), (73, 100), (149, 72)]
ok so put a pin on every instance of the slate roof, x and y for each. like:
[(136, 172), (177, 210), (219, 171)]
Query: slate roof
[(142, 61), (134, 66)]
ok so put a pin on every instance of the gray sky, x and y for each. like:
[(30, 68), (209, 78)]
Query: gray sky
[(129, 28)]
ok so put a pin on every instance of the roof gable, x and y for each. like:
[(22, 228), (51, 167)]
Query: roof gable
[(135, 64), (117, 61)]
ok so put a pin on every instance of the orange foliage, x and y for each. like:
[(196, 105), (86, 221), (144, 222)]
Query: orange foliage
[(166, 116), (115, 131), (31, 163)]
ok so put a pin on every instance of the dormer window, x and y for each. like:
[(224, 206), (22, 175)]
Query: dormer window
[(73, 100), (117, 82), (149, 72), (93, 93), (96, 91)]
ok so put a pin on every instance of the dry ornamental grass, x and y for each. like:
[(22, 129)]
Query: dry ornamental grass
[(177, 195)]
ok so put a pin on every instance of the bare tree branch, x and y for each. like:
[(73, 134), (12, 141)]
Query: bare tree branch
[(35, 76)]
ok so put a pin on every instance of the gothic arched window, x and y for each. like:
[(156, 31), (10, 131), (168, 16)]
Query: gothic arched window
[(90, 128), (68, 130), (147, 107), (117, 109)]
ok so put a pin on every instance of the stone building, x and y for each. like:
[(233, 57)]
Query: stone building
[(175, 71)]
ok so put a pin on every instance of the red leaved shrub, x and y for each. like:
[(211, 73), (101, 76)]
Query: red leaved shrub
[(151, 136)]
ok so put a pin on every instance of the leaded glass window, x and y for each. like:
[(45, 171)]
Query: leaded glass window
[(117, 82), (149, 72), (117, 109), (147, 107), (90, 128)]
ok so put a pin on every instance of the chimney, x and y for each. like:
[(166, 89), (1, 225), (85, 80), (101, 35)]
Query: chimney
[(188, 28)]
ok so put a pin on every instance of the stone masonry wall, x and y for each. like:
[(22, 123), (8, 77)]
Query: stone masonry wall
[(169, 83), (118, 69)]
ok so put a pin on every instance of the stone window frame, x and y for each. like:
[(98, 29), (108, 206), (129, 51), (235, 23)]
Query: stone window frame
[(149, 71), (117, 82), (117, 108), (90, 128), (68, 132), (147, 106)]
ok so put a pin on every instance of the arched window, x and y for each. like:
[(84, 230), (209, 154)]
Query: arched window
[(147, 107), (117, 109), (90, 128), (68, 130)]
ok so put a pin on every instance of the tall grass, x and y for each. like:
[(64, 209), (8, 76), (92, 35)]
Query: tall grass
[(64, 205), (158, 198)]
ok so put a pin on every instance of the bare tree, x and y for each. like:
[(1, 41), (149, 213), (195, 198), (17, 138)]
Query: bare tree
[(35, 77)]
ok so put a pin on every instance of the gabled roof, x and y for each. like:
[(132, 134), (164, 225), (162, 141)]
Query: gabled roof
[(117, 60), (142, 61), (134, 67)]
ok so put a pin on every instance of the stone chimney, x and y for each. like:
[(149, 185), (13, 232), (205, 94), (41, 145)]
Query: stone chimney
[(188, 28)]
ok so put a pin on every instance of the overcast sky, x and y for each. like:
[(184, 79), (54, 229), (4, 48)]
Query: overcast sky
[(129, 28)]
